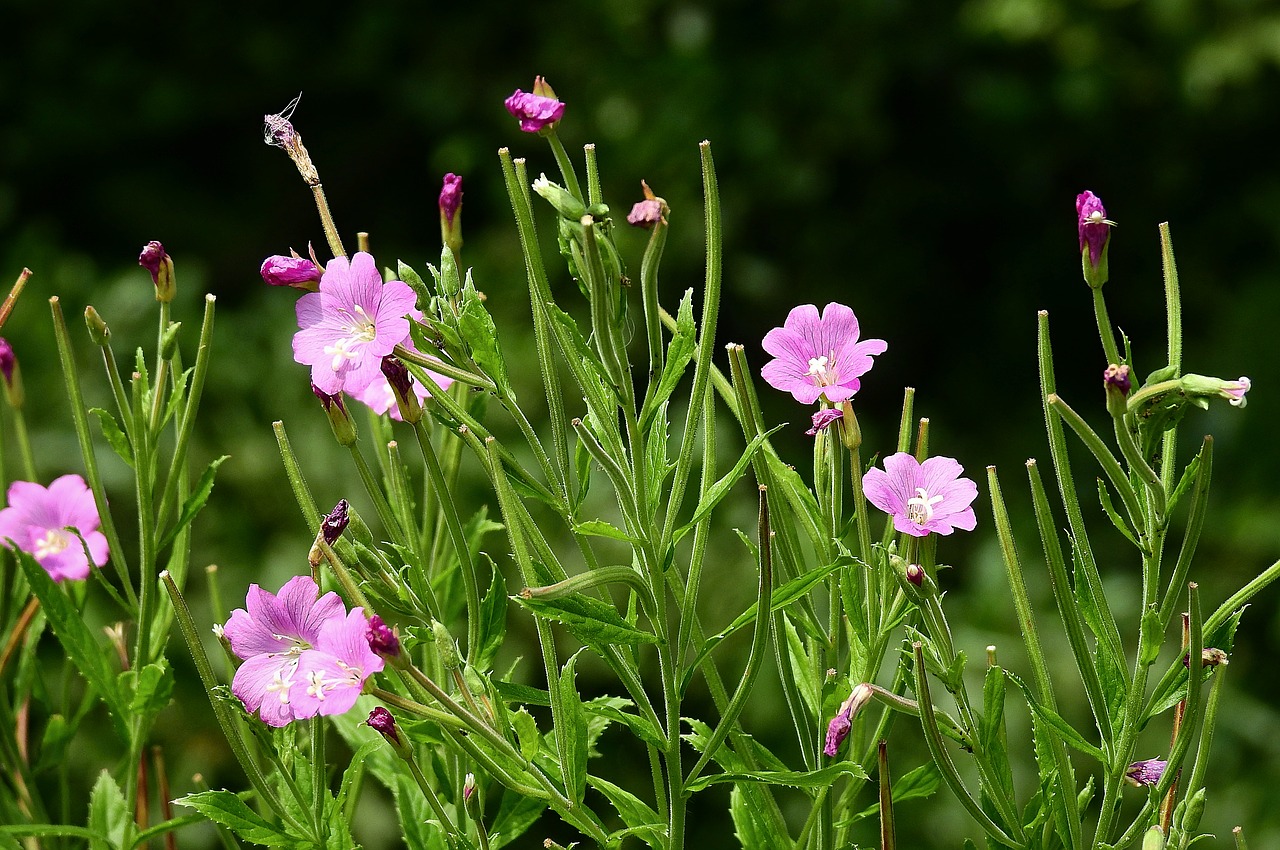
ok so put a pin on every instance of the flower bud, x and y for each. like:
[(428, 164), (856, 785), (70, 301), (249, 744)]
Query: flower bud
[(915, 574), (1117, 383), (402, 387), (335, 522), (12, 375), (838, 728), (1145, 773), (470, 800), (298, 272), (383, 639), (1203, 386), (1153, 839), (451, 212), (99, 332), (1094, 229), (154, 259), (538, 111), (381, 721), (560, 198), (344, 427), (445, 646), (822, 420)]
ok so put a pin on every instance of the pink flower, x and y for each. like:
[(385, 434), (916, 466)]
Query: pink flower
[(922, 497), (351, 324), (330, 677), (1146, 772), (816, 357), (48, 524), (1092, 225), (271, 637), (1234, 391), (839, 727), (450, 197), (536, 110)]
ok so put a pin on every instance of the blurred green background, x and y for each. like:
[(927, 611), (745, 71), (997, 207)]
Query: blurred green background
[(916, 161)]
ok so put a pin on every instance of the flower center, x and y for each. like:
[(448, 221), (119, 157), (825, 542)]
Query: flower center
[(360, 330), (823, 370), (52, 543), (920, 507), (317, 684), (280, 684)]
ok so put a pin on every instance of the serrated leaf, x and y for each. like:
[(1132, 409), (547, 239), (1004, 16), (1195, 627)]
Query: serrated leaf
[(1104, 497), (147, 691), (819, 778), (991, 729), (53, 743), (115, 436), (1184, 483), (571, 733), (493, 618), (76, 639), (803, 669), (920, 783), (679, 352), (225, 808), (527, 734), (591, 621), (780, 598), (600, 528), (721, 488), (609, 709), (108, 812), (1065, 731), (417, 821), (481, 335), (516, 814), (193, 504)]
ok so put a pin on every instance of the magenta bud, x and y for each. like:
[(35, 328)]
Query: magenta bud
[(298, 272), (344, 427), (1118, 377), (151, 257), (8, 361), (645, 214), (381, 721), (382, 638), (155, 260), (451, 196), (335, 522), (537, 110), (840, 725), (1146, 772), (1094, 230), (915, 574), (402, 388), (823, 418)]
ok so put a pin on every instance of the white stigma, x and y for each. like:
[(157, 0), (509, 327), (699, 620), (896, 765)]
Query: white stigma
[(316, 684), (52, 543), (822, 369), (280, 684), (360, 330), (920, 507)]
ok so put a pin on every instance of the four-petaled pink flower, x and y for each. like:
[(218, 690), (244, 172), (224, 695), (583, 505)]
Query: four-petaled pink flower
[(330, 677), (922, 497), (351, 324), (816, 357), (537, 109), (48, 524), (378, 396)]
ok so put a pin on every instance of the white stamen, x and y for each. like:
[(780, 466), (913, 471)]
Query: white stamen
[(53, 542), (317, 684), (280, 683), (920, 508)]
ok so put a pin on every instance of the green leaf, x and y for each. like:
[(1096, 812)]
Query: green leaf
[(679, 352), (920, 783), (721, 488), (606, 707), (642, 821), (73, 633), (600, 528), (115, 436), (781, 598), (571, 734), (193, 504), (803, 669), (820, 778), (225, 808), (1104, 496), (1184, 483), (752, 830), (591, 621), (481, 335), (58, 733), (493, 618), (527, 734), (406, 273), (1054, 721), (108, 812), (991, 729), (516, 814), (149, 691)]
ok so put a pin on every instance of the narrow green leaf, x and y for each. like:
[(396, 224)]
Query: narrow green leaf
[(920, 783), (820, 778), (600, 528), (592, 621), (418, 825), (803, 669), (781, 598), (571, 734), (481, 335), (515, 815), (73, 633), (193, 504), (642, 821), (679, 353), (115, 436), (991, 729), (527, 734), (1104, 497), (58, 733), (166, 826), (225, 808), (493, 618), (721, 488), (1054, 721), (108, 813)]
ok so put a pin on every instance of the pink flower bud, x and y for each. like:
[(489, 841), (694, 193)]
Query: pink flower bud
[(335, 522), (536, 110), (382, 638), (298, 272)]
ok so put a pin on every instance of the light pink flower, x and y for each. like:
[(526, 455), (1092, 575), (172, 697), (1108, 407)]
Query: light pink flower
[(272, 636), (330, 677), (922, 497), (378, 395), (816, 357), (45, 523), (1234, 391), (351, 324), (1146, 772)]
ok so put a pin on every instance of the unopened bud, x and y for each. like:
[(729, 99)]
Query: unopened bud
[(1153, 839), (12, 375), (344, 427), (1094, 229), (565, 203), (402, 387), (99, 332), (1116, 380), (450, 203), (335, 522), (297, 272), (382, 639), (470, 800), (155, 260), (381, 721), (1146, 772), (445, 646), (915, 574)]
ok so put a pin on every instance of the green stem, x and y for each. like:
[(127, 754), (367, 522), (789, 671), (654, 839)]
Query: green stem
[(1105, 458), (446, 823), (1105, 331), (567, 172), (1173, 315)]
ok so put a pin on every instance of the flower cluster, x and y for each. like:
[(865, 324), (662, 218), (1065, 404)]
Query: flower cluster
[(303, 653), (49, 524)]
